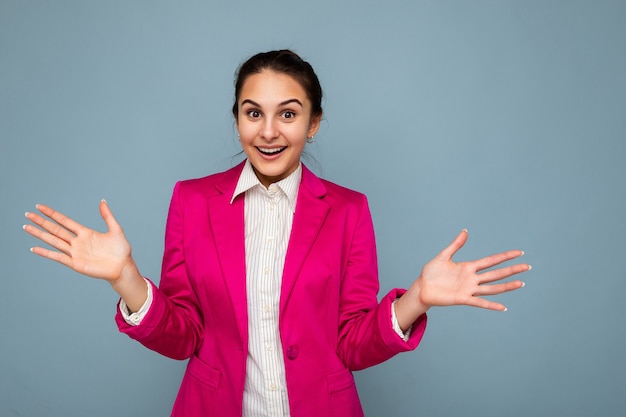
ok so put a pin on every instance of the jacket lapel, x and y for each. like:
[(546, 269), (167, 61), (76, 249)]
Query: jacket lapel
[(227, 223), (310, 214)]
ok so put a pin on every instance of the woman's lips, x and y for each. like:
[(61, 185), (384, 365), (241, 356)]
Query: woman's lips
[(270, 151)]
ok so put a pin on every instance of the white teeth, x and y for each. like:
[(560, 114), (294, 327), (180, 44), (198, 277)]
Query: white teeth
[(271, 151)]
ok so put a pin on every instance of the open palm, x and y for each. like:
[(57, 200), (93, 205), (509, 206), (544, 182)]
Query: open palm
[(444, 282), (86, 251)]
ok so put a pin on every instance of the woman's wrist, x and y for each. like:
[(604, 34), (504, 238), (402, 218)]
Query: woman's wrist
[(409, 306), (131, 286)]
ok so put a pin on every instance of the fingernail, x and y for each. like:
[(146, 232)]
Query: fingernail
[(523, 284), (523, 253), (505, 309), (530, 267), (26, 214), (31, 249), (24, 227), (465, 230), (103, 201)]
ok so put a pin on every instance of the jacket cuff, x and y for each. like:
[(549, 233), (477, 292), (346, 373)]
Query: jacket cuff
[(390, 336), (149, 321)]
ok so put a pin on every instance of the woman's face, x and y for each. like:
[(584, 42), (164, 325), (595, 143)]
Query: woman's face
[(274, 121)]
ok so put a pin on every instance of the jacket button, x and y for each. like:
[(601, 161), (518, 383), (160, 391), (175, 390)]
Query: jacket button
[(292, 352)]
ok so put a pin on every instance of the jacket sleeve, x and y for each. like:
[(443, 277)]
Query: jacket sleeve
[(366, 334), (173, 324)]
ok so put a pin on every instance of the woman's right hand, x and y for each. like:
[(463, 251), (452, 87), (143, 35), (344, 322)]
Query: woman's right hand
[(99, 255), (105, 256)]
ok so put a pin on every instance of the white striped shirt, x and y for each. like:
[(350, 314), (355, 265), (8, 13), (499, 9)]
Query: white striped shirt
[(268, 218)]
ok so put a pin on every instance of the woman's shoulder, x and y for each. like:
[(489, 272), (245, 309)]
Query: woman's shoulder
[(331, 190), (342, 191), (217, 182)]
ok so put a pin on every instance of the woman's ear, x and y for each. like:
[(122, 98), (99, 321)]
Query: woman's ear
[(314, 125)]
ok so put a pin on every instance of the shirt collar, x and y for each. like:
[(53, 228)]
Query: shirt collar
[(289, 186)]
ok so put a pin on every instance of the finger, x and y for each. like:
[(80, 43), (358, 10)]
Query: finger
[(60, 218), (454, 247), (51, 227), (53, 255), (496, 289), (493, 260), (107, 216), (486, 304), (501, 273), (48, 238)]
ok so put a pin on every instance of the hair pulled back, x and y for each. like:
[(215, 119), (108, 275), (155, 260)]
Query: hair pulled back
[(282, 62)]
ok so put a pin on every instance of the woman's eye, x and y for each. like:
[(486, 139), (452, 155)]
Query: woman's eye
[(289, 115), (254, 114)]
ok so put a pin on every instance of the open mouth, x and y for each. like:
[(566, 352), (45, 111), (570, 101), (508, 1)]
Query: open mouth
[(272, 151)]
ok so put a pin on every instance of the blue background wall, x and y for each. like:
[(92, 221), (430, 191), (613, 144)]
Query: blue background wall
[(505, 117)]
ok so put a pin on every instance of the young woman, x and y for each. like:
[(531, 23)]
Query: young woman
[(269, 281)]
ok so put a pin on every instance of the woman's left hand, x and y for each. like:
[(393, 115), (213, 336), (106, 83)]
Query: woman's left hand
[(444, 282)]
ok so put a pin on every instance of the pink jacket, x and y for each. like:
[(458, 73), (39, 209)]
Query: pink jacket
[(330, 320)]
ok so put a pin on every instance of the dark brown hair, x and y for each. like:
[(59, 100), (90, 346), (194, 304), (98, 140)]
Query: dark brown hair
[(282, 62)]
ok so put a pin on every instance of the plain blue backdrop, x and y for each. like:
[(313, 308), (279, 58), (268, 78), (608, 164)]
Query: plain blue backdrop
[(504, 117)]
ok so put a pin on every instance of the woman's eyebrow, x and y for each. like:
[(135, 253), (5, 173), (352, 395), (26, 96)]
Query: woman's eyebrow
[(282, 103), (292, 100), (248, 101)]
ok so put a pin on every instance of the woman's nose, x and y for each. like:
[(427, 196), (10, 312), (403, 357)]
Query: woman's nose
[(269, 130)]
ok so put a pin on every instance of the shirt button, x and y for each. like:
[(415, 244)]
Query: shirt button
[(292, 352), (266, 308), (266, 270), (273, 387)]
